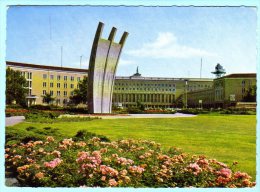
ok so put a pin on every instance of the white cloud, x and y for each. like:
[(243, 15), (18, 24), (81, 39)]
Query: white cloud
[(166, 46)]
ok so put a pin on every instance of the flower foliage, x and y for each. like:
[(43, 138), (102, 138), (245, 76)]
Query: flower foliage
[(124, 163)]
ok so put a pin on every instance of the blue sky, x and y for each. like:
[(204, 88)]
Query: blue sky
[(162, 41)]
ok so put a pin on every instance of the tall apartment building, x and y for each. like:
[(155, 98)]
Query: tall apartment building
[(59, 82)]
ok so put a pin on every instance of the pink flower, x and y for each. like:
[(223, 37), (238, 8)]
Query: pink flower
[(105, 170), (67, 142), (241, 175), (39, 175), (22, 168), (50, 139), (195, 168), (124, 161), (136, 169), (56, 153), (103, 178), (54, 163), (225, 172), (112, 182)]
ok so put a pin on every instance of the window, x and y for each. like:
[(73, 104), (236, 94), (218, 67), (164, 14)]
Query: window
[(51, 77), (51, 93), (64, 101), (30, 92), (51, 84), (44, 84), (58, 93), (65, 93), (30, 84), (29, 75), (65, 78), (58, 77), (243, 83), (44, 76), (72, 78), (71, 86), (65, 85), (78, 78), (58, 85), (44, 92), (71, 93)]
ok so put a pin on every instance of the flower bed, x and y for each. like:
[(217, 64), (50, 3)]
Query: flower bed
[(15, 112), (125, 163)]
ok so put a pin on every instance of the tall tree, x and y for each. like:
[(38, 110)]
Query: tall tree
[(80, 94), (15, 87)]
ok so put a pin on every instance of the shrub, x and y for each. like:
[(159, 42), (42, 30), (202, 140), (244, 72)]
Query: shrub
[(193, 111), (84, 135), (124, 163), (134, 110)]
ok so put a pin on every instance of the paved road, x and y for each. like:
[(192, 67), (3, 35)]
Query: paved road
[(10, 121)]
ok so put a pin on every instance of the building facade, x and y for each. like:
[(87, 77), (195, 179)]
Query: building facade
[(226, 91), (59, 82), (154, 92)]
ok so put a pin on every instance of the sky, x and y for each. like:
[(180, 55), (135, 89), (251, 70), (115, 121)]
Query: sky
[(162, 41)]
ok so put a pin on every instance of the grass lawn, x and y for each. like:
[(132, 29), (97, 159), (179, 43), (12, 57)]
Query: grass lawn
[(227, 138)]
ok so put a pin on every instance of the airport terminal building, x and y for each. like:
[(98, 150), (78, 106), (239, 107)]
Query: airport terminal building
[(153, 92)]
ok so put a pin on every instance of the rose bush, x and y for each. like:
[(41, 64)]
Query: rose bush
[(124, 163)]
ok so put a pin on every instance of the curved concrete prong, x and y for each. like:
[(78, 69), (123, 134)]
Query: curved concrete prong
[(112, 34), (123, 38)]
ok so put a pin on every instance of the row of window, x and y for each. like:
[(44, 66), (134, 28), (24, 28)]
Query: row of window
[(44, 84), (162, 85), (27, 75), (65, 78), (144, 89), (58, 93), (144, 98)]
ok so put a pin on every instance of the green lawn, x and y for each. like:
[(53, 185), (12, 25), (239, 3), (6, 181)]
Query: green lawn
[(227, 138)]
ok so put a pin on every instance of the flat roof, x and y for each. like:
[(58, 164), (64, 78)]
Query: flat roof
[(241, 75), (162, 78), (17, 64)]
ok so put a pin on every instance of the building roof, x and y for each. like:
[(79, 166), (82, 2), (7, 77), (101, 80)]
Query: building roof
[(241, 75), (11, 63), (162, 78)]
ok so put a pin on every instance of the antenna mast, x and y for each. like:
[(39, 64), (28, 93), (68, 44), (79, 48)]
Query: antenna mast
[(50, 27), (61, 55), (200, 66)]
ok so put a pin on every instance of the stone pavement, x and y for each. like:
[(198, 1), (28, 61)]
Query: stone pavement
[(10, 121)]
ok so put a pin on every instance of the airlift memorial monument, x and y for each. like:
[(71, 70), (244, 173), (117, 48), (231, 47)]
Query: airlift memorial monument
[(102, 69)]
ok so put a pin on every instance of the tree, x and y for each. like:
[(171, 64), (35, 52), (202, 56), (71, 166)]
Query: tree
[(15, 87), (47, 98), (250, 95), (80, 94)]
